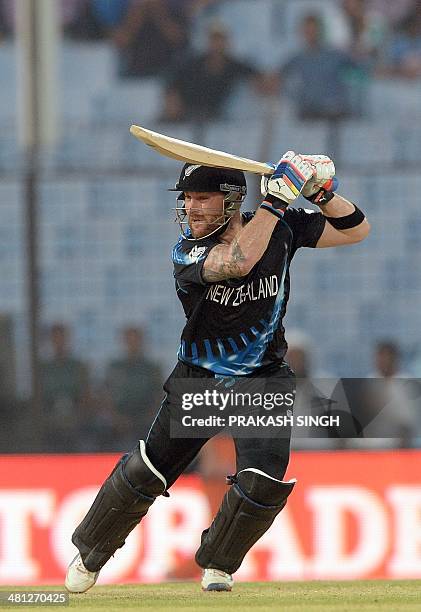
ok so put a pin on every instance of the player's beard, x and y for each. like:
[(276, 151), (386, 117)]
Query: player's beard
[(202, 225)]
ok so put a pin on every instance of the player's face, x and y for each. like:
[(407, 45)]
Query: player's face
[(204, 211)]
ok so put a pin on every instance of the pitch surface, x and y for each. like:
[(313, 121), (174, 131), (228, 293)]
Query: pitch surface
[(312, 596)]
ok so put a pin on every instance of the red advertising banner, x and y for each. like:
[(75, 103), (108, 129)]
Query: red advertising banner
[(351, 515)]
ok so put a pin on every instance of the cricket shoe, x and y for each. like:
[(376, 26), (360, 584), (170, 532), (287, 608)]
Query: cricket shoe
[(78, 578), (216, 580)]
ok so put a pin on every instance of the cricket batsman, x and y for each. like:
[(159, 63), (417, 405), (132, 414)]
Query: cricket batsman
[(233, 332)]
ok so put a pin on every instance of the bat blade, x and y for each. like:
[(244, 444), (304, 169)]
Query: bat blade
[(197, 154)]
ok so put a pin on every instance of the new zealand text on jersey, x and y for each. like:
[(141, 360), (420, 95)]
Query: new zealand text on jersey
[(258, 289)]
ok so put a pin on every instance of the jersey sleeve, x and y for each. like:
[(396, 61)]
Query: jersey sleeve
[(306, 225), (188, 259)]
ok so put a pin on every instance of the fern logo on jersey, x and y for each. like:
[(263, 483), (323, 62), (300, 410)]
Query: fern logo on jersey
[(196, 253)]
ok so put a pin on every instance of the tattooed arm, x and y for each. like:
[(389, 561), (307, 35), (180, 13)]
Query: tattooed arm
[(238, 258)]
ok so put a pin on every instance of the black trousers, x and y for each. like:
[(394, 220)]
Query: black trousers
[(171, 455)]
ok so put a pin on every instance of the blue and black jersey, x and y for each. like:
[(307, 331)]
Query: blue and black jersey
[(234, 326)]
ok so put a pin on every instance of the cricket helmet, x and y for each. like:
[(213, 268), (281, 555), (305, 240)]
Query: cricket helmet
[(230, 182)]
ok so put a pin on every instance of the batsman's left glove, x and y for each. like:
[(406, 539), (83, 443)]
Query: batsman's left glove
[(289, 177), (320, 188)]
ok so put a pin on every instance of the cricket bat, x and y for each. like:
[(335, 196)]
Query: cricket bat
[(196, 154)]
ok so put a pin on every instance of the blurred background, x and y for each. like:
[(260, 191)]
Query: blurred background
[(89, 318), (90, 322)]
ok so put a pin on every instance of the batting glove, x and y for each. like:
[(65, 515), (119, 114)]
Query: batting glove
[(324, 181), (288, 180)]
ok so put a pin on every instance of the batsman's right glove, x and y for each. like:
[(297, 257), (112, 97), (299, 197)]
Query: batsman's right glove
[(288, 180), (320, 188)]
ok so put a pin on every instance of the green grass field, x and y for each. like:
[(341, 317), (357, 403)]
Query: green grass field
[(390, 596)]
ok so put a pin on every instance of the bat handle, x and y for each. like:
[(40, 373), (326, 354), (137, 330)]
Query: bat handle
[(270, 170)]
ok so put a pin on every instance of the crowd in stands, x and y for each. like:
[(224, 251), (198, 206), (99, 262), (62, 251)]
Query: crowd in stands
[(154, 39), (83, 415), (315, 77), (335, 56), (198, 86), (80, 414), (382, 410)]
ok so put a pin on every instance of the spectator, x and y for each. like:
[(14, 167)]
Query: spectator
[(393, 12), (200, 87), (152, 34), (65, 394), (404, 56), (315, 78), (312, 394), (367, 30), (387, 360), (94, 19), (298, 354), (133, 383), (389, 413)]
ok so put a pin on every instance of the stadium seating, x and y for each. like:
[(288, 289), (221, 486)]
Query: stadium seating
[(85, 70), (274, 32), (139, 101), (106, 227), (395, 99)]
